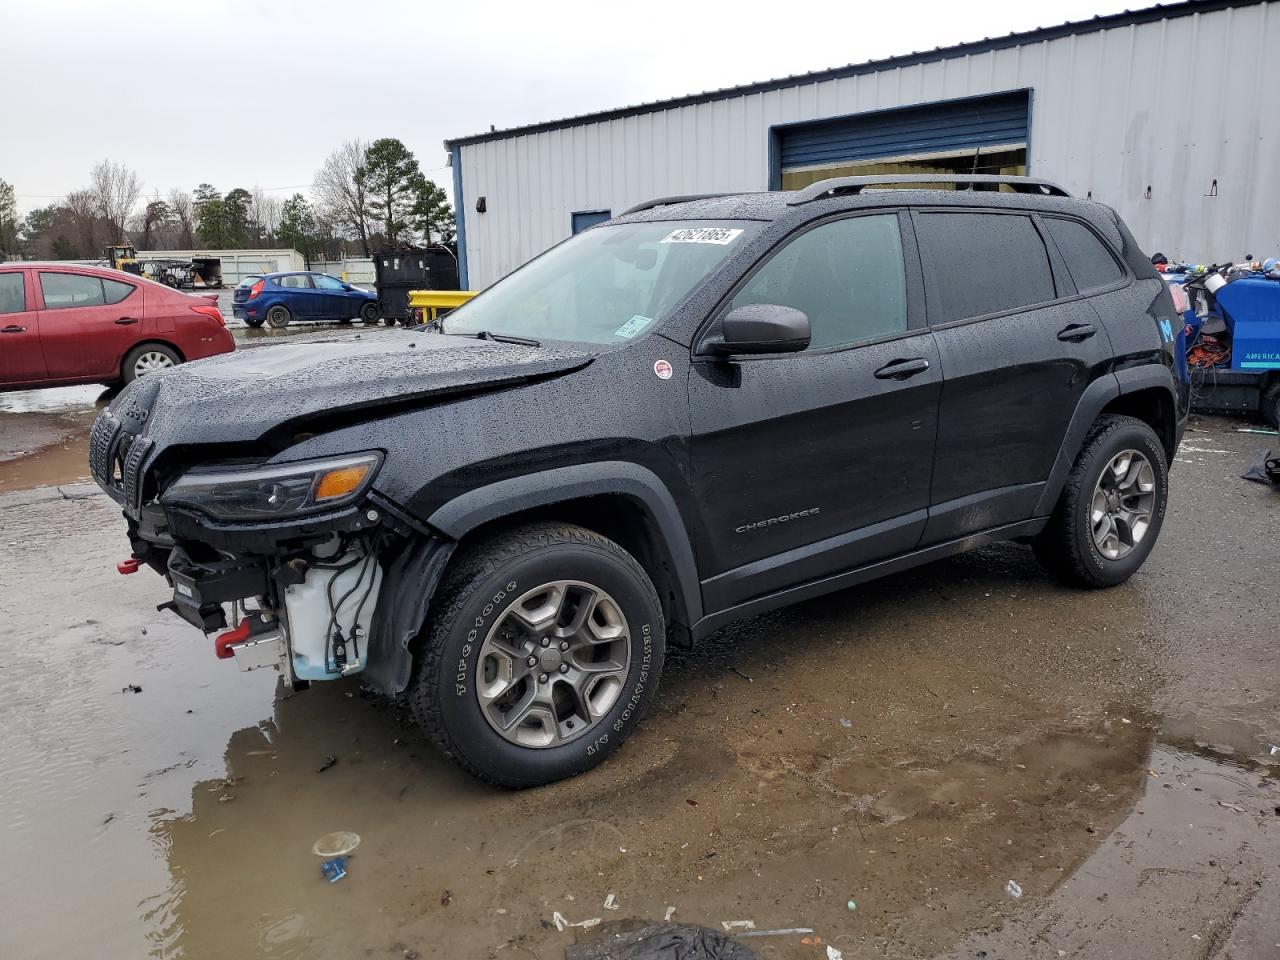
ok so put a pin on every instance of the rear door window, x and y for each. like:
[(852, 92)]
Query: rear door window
[(63, 290), (115, 290), (982, 263), (1089, 262), (295, 281), (13, 293), (847, 276)]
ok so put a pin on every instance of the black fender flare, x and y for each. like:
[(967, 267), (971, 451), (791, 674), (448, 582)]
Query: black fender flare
[(494, 501), (1092, 402)]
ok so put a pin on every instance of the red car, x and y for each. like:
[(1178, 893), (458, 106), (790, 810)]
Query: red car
[(63, 323)]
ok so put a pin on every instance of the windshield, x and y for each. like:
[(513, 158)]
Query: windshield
[(609, 284)]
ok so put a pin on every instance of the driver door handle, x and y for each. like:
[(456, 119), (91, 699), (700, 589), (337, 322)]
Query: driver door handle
[(125, 321), (1075, 332), (14, 328), (902, 369)]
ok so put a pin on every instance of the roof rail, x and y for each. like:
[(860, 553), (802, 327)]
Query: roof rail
[(668, 201), (846, 186)]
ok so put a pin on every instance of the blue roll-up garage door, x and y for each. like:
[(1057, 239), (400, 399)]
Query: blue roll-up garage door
[(947, 128)]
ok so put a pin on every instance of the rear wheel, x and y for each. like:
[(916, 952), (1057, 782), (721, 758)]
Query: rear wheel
[(148, 358), (254, 322), (278, 317), (543, 657), (1110, 512), (369, 313)]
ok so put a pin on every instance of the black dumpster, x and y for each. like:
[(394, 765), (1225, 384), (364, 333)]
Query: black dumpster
[(399, 271)]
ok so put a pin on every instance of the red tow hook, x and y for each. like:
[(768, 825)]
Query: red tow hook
[(223, 641), (129, 566)]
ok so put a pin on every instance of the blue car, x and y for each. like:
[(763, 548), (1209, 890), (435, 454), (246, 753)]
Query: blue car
[(277, 299)]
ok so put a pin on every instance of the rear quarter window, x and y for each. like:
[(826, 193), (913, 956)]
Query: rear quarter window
[(115, 291), (982, 263), (1089, 262)]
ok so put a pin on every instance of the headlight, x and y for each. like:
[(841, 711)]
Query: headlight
[(274, 491)]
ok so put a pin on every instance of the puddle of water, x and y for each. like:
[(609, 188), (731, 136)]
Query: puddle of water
[(53, 399)]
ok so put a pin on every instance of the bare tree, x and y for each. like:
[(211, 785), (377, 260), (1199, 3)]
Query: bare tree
[(117, 189), (183, 211), (264, 212), (341, 191), (83, 207)]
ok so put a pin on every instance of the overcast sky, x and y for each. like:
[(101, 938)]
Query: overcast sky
[(245, 94)]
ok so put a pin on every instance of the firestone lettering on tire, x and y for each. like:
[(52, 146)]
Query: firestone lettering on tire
[(464, 661), (646, 633)]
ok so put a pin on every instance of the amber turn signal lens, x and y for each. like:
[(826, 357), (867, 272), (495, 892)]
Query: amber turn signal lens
[(340, 482)]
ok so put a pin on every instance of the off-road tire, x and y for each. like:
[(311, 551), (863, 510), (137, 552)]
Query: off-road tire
[(478, 588), (1066, 546), (369, 313), (278, 317)]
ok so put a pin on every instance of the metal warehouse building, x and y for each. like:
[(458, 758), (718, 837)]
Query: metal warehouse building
[(1168, 114)]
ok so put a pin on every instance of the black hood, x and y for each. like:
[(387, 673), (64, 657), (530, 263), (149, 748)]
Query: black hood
[(242, 396)]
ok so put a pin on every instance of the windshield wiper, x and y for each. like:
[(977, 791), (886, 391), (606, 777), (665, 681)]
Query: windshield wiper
[(502, 338)]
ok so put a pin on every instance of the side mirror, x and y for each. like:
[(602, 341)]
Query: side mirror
[(763, 328)]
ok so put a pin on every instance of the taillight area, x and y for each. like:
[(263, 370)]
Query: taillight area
[(210, 311), (255, 290)]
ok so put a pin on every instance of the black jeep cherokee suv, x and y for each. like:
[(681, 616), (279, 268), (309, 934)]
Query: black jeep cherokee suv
[(703, 409)]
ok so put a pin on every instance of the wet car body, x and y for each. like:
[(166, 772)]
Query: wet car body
[(740, 483)]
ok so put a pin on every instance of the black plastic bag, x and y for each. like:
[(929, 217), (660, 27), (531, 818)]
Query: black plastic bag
[(1265, 470), (662, 941)]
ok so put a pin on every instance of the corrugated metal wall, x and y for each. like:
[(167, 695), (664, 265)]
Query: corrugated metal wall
[(1173, 105)]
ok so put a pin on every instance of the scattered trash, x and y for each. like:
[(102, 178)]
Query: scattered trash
[(335, 869), (336, 844), (131, 688), (446, 898), (741, 674), (661, 941), (833, 953), (1275, 751), (1231, 806), (329, 761), (1266, 469), (562, 924), (846, 723), (851, 906), (737, 925), (811, 941), (1013, 889), (788, 932), (691, 802), (1268, 433), (611, 902), (671, 912), (411, 955), (1125, 720)]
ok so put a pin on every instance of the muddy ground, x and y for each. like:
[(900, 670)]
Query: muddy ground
[(875, 766)]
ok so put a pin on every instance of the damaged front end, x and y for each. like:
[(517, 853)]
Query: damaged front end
[(305, 567)]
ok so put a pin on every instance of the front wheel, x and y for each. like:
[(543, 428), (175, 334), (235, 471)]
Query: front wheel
[(1112, 508), (278, 317), (369, 313), (543, 656)]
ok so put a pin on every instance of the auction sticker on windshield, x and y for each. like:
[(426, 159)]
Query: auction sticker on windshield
[(633, 326), (721, 236)]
